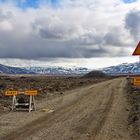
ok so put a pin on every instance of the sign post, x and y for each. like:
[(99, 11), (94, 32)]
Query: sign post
[(136, 80)]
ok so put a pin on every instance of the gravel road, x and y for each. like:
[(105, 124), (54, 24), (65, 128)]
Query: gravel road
[(95, 112)]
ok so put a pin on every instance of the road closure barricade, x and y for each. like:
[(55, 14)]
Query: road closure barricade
[(135, 82), (22, 100)]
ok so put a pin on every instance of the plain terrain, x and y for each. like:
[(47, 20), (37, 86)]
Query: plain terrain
[(96, 111)]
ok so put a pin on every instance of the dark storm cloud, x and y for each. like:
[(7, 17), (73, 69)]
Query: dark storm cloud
[(114, 37), (33, 48), (36, 46), (132, 23), (49, 34)]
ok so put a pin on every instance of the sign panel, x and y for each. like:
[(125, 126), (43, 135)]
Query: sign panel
[(11, 93), (137, 50), (136, 81), (30, 92)]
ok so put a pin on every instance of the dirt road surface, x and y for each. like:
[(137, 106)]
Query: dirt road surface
[(95, 112)]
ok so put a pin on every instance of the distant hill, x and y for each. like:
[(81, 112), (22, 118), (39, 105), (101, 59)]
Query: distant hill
[(95, 74)]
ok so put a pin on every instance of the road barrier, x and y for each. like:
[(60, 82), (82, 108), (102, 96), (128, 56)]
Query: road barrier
[(19, 103)]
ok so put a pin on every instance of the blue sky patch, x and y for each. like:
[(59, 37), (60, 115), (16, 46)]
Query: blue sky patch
[(129, 1), (28, 3), (32, 3)]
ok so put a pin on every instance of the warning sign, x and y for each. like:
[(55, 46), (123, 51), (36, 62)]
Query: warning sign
[(11, 93), (30, 92), (137, 50)]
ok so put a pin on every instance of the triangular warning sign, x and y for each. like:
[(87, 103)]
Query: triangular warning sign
[(137, 50)]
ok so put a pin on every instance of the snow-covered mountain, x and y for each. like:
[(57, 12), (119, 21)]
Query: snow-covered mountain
[(58, 70), (13, 70), (124, 68), (43, 70)]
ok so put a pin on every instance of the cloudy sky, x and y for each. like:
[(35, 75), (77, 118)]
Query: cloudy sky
[(88, 33)]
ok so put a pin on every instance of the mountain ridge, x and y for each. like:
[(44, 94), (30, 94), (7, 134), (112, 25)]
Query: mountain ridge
[(43, 70), (123, 68)]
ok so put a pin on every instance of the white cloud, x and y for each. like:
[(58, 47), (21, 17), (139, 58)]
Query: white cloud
[(75, 29)]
